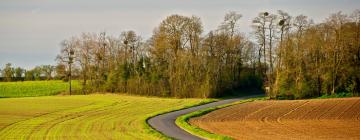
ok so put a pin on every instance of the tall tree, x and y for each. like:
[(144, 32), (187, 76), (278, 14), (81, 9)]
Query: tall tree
[(19, 73), (259, 25), (67, 57), (8, 72)]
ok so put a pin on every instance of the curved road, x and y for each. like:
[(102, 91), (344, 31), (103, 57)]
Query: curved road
[(165, 123)]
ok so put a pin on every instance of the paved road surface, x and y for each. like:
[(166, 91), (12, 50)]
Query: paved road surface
[(165, 123)]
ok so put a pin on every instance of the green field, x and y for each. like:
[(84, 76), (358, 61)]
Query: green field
[(97, 116), (34, 88)]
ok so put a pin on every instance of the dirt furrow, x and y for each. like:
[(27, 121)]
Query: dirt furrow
[(300, 119)]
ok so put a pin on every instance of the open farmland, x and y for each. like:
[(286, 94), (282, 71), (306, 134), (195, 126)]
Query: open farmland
[(82, 116), (296, 119), (34, 88)]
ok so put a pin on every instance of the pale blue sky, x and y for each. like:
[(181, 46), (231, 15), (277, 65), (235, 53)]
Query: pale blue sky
[(31, 30)]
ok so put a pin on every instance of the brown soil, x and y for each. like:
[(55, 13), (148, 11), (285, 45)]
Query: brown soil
[(298, 119)]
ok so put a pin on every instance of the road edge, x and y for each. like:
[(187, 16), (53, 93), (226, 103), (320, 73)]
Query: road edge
[(183, 123), (152, 131)]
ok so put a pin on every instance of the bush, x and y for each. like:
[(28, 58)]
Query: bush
[(338, 95), (285, 97)]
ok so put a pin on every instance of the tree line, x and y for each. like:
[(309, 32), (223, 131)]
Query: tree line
[(43, 72), (315, 59), (288, 57), (176, 61)]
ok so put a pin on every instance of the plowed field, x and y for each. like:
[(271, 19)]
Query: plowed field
[(297, 119)]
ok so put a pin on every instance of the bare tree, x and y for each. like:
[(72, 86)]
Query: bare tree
[(67, 56), (259, 24)]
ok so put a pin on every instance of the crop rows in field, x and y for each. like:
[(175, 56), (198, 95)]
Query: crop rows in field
[(299, 119), (82, 116), (34, 88)]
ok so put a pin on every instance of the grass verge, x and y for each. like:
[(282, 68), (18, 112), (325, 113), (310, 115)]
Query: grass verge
[(150, 130), (182, 121)]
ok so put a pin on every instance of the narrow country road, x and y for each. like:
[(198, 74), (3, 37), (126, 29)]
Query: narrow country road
[(165, 123)]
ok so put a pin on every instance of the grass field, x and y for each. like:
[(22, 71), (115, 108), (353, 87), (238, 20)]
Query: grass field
[(288, 119), (83, 116), (34, 88)]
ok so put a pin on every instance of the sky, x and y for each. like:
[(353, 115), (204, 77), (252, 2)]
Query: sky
[(31, 30)]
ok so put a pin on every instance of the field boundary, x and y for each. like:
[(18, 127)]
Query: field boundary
[(22, 89), (152, 131), (183, 123)]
